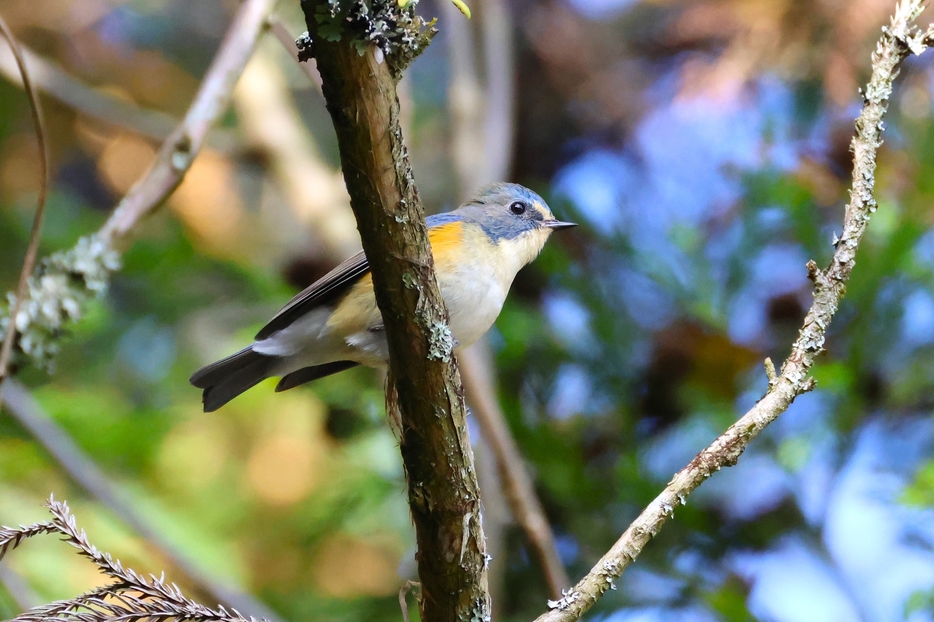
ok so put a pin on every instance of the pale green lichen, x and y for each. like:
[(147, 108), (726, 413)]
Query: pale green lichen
[(568, 598), (393, 27), (480, 612), (440, 341), (58, 294)]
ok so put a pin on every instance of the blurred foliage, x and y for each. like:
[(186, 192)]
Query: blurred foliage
[(703, 145)]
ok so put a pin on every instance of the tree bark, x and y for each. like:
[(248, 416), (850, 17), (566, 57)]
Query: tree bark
[(360, 91)]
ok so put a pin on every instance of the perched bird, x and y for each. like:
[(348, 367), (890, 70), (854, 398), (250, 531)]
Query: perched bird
[(334, 324)]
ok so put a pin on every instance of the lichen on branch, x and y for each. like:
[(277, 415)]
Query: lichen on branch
[(396, 31), (65, 283), (59, 293)]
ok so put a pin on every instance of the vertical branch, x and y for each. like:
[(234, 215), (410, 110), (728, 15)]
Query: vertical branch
[(517, 485), (360, 91), (315, 191), (500, 68), (482, 157), (32, 249)]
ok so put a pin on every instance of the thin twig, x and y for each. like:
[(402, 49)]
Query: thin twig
[(33, 247), (182, 146), (517, 485), (81, 469), (287, 39), (403, 592), (482, 157), (897, 41), (132, 596)]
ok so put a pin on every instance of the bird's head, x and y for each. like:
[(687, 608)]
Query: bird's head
[(515, 219)]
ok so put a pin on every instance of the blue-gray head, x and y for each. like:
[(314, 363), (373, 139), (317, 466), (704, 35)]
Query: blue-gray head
[(516, 221), (506, 211)]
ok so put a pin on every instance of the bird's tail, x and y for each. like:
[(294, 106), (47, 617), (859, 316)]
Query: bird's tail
[(227, 378)]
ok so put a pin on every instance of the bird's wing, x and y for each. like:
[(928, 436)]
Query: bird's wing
[(333, 284), (321, 292)]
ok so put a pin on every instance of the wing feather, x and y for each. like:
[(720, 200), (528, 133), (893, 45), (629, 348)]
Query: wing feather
[(326, 289), (334, 284)]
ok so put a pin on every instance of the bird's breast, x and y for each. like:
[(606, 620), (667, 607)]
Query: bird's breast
[(473, 289)]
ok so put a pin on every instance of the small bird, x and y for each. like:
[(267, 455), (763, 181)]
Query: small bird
[(334, 324)]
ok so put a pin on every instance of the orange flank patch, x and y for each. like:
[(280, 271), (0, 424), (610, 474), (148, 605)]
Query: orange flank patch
[(446, 241), (357, 311), (446, 237)]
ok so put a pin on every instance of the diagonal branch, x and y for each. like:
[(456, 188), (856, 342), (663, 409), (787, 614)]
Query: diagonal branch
[(68, 279), (182, 146), (53, 81), (897, 41), (517, 484)]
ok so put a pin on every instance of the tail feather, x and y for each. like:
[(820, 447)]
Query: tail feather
[(307, 374), (226, 379)]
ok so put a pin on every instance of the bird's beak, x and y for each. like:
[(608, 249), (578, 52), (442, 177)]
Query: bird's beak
[(557, 224)]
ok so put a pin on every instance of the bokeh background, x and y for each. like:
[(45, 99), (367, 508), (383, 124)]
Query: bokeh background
[(703, 147)]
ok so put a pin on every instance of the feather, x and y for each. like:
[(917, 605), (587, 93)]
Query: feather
[(338, 281), (226, 379), (307, 374)]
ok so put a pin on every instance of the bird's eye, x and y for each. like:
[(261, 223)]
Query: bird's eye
[(518, 208)]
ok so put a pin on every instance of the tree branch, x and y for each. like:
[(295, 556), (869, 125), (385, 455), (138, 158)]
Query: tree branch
[(281, 32), (32, 249), (481, 158), (897, 41), (68, 279), (360, 91), (517, 485), (269, 119), (53, 81), (182, 146)]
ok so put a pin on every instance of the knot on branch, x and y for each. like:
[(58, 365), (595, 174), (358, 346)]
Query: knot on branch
[(814, 273), (306, 49)]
